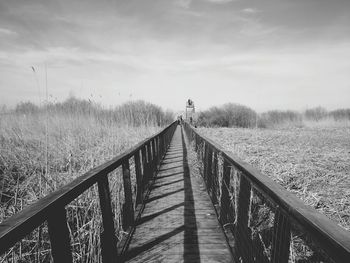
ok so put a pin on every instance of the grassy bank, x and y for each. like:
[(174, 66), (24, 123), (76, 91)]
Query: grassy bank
[(43, 149), (311, 162)]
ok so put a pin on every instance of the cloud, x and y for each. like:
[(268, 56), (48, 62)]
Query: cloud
[(219, 1), (249, 11), (183, 3), (7, 32), (179, 43)]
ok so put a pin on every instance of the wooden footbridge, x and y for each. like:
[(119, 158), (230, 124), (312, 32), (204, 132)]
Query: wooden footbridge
[(189, 200)]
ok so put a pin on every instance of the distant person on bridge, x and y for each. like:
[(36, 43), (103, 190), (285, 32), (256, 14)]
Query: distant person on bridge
[(179, 120)]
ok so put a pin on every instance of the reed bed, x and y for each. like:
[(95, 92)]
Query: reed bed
[(311, 162), (40, 152)]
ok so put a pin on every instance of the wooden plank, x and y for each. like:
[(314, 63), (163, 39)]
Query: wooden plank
[(242, 231), (159, 154), (280, 239), (225, 196), (178, 223), (154, 155), (139, 184), (59, 236), (149, 162), (128, 206), (161, 147), (324, 232), (215, 192), (144, 167), (205, 162), (108, 238), (210, 171)]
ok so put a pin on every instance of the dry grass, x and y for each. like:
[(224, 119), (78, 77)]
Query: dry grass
[(312, 162), (28, 171)]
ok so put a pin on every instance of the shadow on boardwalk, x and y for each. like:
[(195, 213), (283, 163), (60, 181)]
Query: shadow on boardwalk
[(168, 228)]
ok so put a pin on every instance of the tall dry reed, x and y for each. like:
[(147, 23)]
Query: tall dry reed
[(78, 139)]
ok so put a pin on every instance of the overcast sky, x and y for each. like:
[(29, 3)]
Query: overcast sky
[(267, 54)]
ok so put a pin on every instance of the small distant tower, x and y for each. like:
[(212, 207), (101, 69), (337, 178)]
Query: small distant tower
[(190, 110)]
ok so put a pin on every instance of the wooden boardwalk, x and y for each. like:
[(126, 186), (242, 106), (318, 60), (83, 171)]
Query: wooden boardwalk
[(178, 223)]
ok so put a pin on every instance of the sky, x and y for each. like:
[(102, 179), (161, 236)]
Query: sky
[(266, 54)]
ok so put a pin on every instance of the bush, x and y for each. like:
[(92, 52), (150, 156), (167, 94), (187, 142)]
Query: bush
[(277, 118), (240, 116), (26, 108), (228, 115), (341, 114), (316, 114)]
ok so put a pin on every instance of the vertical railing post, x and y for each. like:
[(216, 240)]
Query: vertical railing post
[(59, 236), (280, 239), (159, 155), (144, 165), (210, 171), (108, 238), (215, 177), (139, 180), (149, 161), (205, 162), (154, 155), (162, 144), (242, 231), (224, 192), (202, 150), (167, 138), (128, 207)]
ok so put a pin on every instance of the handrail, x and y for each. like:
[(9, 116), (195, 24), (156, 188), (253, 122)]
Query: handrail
[(147, 154), (238, 205)]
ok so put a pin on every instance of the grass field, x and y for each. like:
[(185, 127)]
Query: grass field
[(312, 162), (39, 154)]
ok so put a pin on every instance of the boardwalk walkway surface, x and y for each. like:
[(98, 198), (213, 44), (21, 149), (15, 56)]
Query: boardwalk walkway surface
[(178, 223)]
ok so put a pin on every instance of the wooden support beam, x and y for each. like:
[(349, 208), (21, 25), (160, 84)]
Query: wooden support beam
[(149, 162), (214, 196), (144, 164), (154, 157), (224, 190), (59, 236), (242, 231), (210, 171), (139, 180), (128, 206), (108, 237), (205, 162), (280, 239)]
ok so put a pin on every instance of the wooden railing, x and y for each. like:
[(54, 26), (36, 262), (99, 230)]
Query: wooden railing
[(51, 208), (265, 222)]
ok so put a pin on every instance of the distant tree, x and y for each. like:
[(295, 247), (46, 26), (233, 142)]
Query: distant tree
[(228, 115), (277, 117), (316, 114), (239, 115), (340, 114), (26, 108)]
